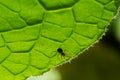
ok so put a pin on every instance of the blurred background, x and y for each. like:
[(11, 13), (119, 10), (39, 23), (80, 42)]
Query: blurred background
[(100, 62)]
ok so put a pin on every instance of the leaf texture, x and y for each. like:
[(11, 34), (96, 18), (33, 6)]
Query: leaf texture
[(32, 31)]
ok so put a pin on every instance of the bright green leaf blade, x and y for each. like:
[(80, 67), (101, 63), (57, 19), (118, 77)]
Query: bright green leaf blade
[(32, 31)]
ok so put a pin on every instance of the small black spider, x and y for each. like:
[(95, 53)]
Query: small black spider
[(61, 51)]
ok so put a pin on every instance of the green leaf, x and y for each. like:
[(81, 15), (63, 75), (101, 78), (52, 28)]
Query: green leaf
[(116, 28), (32, 31)]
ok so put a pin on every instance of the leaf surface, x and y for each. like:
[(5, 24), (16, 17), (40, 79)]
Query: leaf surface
[(32, 31)]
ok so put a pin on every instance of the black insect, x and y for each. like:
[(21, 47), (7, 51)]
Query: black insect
[(61, 51)]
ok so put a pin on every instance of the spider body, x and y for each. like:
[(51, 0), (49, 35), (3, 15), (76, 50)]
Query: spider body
[(61, 51)]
